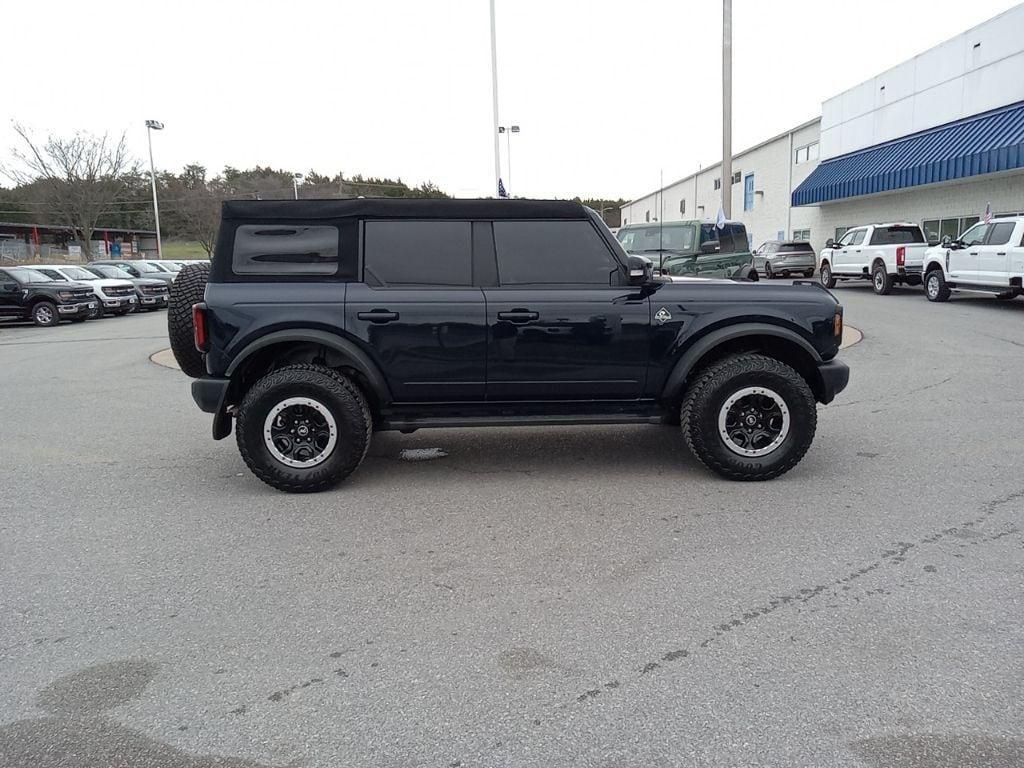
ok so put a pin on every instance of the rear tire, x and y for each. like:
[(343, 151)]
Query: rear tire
[(881, 280), (809, 273), (935, 288), (718, 403), (187, 289), (45, 314), (825, 276), (768, 273), (302, 394)]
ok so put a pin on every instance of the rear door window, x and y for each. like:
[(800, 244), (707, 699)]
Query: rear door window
[(552, 253), (414, 253), (1001, 233), (285, 250)]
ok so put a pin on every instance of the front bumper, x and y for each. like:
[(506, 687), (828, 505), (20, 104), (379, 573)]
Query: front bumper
[(209, 394), (118, 302), (833, 377), (77, 308), (160, 300)]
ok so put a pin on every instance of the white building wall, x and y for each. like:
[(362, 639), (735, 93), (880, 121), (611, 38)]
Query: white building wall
[(976, 71)]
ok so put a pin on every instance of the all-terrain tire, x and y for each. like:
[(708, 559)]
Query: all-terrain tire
[(825, 275), (707, 395), (881, 280), (187, 289), (337, 394), (935, 288)]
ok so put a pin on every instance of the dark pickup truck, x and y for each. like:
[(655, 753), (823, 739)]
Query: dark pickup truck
[(30, 295), (320, 322)]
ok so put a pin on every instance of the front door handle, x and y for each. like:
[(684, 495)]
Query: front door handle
[(518, 316), (378, 316), (973, 253), (1000, 253)]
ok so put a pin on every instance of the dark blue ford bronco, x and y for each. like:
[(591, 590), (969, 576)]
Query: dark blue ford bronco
[(320, 322)]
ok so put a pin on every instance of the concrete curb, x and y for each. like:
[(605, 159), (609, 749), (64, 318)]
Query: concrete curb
[(165, 358)]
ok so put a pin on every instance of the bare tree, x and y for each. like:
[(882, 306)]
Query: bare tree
[(76, 179), (194, 210)]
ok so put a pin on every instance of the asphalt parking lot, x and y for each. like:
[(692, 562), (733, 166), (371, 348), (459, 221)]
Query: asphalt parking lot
[(520, 597)]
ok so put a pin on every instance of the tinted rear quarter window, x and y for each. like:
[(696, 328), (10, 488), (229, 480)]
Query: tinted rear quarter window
[(897, 235), (552, 253), (285, 249), (418, 253), (794, 247)]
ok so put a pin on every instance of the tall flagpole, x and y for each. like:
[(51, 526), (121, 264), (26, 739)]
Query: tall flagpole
[(494, 95), (727, 108)]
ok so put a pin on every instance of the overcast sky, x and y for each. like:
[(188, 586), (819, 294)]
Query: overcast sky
[(608, 94)]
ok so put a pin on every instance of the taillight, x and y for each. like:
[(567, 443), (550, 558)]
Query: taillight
[(199, 333), (901, 256)]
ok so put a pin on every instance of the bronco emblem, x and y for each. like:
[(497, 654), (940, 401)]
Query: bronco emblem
[(662, 316)]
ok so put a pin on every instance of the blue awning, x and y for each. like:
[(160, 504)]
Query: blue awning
[(986, 143)]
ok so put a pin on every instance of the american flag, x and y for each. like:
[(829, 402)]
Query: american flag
[(501, 189), (988, 213)]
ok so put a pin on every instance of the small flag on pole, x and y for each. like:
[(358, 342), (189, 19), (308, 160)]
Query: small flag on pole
[(720, 223), (501, 189), (988, 213)]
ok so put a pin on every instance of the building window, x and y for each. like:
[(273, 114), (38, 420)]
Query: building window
[(802, 234), (718, 183), (736, 177), (682, 206), (806, 154), (748, 192), (954, 226)]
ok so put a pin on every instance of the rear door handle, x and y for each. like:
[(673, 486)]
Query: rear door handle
[(518, 316), (973, 253), (378, 316), (1000, 253)]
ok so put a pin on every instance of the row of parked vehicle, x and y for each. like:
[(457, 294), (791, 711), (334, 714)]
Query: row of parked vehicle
[(49, 293), (987, 258)]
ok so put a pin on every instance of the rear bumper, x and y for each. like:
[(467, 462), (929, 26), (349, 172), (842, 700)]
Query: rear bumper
[(833, 377), (796, 265)]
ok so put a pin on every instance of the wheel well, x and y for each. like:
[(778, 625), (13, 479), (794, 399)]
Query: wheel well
[(932, 266), (275, 356), (876, 262), (788, 352), (824, 263)]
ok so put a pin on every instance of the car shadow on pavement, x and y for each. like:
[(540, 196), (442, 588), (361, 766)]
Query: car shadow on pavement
[(77, 733), (536, 451)]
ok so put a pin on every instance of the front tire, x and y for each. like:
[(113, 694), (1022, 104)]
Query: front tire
[(97, 313), (881, 280), (825, 276), (303, 428), (768, 273), (45, 314), (749, 417), (935, 288)]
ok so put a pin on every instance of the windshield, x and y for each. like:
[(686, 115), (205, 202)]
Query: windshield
[(23, 276), (676, 238), (144, 267), (170, 266), (111, 272), (77, 273)]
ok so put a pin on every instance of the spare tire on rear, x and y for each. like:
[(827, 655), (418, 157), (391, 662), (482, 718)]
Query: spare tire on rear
[(187, 289)]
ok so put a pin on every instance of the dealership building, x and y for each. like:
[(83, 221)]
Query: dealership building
[(933, 140)]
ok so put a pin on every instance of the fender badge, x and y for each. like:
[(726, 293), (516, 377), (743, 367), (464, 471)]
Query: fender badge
[(662, 316)]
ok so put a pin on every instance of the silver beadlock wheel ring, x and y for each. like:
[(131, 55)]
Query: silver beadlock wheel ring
[(753, 421), (298, 427)]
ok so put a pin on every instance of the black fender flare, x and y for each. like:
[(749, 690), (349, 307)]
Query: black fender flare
[(677, 378), (353, 355)]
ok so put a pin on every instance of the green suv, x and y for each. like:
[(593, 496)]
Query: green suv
[(692, 248)]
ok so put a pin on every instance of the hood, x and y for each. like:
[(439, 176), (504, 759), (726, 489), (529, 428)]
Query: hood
[(65, 285), (111, 282), (147, 281)]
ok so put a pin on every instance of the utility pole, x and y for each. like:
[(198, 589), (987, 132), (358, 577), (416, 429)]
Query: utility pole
[(494, 98), (154, 125), (727, 108)]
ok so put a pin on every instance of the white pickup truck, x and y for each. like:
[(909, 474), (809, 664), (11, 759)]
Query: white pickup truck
[(987, 258), (885, 254)]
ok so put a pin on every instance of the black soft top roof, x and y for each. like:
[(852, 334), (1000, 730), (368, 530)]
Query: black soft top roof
[(411, 208)]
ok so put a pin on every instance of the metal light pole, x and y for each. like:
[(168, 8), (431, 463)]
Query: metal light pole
[(494, 95), (508, 143), (296, 177), (727, 107), (154, 125)]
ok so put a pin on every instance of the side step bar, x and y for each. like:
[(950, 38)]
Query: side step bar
[(448, 422)]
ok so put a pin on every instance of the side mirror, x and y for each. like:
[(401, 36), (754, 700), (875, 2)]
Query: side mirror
[(711, 246), (830, 243), (641, 269), (946, 241)]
